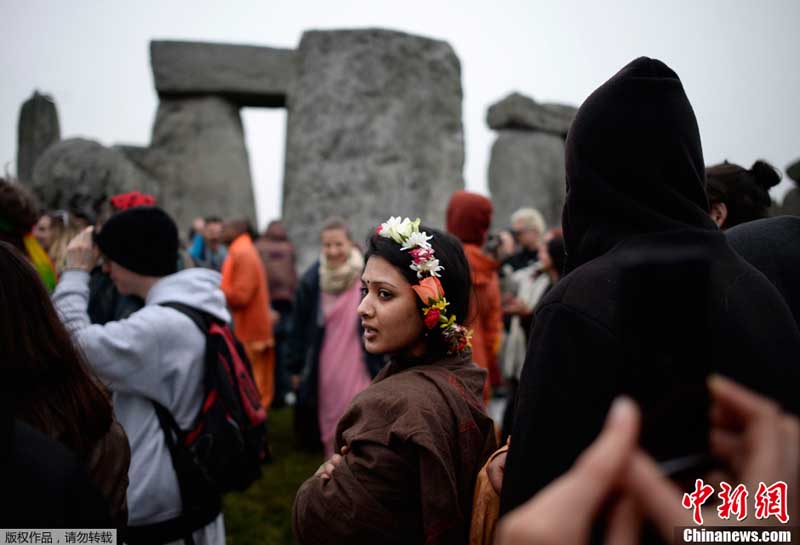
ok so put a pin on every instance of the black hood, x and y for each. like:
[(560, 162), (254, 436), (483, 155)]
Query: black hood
[(634, 163)]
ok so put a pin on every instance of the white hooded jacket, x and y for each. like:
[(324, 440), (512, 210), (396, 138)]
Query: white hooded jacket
[(157, 353)]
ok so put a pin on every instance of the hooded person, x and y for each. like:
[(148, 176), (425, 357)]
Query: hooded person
[(654, 298), (156, 354), (468, 218)]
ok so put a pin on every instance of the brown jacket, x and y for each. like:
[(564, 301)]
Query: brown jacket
[(417, 437)]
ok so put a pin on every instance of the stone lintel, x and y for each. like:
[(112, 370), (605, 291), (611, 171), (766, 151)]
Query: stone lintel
[(246, 75)]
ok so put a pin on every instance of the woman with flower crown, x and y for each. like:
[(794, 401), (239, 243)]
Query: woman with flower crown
[(413, 442)]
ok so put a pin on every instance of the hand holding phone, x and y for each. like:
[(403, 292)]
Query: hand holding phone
[(616, 479)]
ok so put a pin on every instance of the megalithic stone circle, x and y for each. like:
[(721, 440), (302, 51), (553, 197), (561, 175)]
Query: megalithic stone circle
[(374, 129), (38, 129)]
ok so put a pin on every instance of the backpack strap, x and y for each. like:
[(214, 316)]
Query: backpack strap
[(201, 319), (183, 526)]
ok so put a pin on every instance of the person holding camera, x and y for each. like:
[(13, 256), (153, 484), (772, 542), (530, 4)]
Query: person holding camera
[(156, 354)]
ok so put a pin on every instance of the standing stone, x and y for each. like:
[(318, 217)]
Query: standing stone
[(527, 169), (198, 154), (791, 203), (793, 171), (374, 129), (791, 200), (79, 175), (38, 130)]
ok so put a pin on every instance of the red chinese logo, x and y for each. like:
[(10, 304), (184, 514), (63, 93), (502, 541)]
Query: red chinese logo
[(734, 501), (769, 501), (772, 501), (696, 499)]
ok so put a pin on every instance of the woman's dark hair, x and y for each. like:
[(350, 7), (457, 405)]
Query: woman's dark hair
[(744, 192), (19, 211), (45, 375), (455, 277)]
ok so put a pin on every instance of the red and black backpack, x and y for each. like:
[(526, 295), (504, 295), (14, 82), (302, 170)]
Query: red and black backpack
[(224, 448)]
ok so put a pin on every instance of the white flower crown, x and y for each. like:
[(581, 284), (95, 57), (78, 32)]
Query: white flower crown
[(423, 261)]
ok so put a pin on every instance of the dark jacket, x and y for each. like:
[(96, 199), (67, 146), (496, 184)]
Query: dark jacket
[(523, 258), (106, 303), (306, 336), (108, 464), (655, 298), (44, 483), (772, 246)]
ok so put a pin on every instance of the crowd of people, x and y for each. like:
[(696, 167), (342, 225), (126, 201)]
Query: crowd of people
[(656, 327)]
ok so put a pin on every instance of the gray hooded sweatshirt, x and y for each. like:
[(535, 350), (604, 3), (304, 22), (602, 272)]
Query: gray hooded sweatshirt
[(157, 353)]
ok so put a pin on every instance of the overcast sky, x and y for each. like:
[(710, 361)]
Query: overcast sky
[(739, 61)]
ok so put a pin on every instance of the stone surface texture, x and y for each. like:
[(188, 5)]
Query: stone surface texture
[(374, 129), (198, 154), (247, 75), (79, 174), (791, 203), (793, 171), (520, 112), (38, 129), (527, 169)]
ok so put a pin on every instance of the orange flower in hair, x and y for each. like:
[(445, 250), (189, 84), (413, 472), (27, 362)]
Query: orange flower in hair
[(429, 290)]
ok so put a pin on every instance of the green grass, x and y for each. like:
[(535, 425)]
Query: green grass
[(262, 515)]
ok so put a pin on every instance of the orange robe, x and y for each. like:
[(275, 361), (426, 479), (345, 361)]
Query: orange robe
[(486, 313), (244, 282)]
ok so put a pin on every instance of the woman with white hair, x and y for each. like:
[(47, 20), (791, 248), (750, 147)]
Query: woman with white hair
[(527, 226)]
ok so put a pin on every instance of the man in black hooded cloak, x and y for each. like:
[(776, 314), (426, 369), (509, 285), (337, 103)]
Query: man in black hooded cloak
[(654, 300)]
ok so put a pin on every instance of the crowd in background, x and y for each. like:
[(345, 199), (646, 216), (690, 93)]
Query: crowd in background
[(686, 273)]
